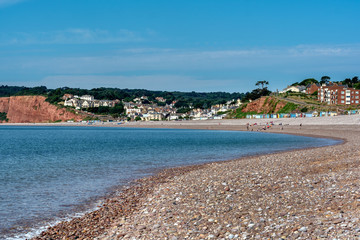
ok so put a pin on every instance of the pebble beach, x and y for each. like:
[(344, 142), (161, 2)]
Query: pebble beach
[(302, 194)]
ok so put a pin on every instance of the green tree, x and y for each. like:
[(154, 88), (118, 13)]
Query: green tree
[(348, 82), (183, 110), (325, 79), (355, 80), (181, 104), (262, 83), (307, 81), (258, 92)]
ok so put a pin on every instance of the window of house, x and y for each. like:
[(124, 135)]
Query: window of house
[(342, 92), (357, 101), (342, 101)]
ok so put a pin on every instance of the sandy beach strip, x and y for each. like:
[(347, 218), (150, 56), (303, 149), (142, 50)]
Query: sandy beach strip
[(302, 194)]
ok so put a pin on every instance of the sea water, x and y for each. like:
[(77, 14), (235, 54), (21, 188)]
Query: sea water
[(48, 173)]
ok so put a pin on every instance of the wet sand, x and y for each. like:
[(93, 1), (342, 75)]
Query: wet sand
[(301, 194)]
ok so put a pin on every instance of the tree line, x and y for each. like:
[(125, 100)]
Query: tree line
[(353, 82), (184, 99)]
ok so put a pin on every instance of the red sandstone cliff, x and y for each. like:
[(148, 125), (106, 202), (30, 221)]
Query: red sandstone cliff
[(33, 109), (265, 105)]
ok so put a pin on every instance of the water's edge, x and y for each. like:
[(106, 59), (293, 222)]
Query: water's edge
[(113, 191)]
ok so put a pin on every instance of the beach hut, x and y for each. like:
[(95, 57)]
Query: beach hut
[(353, 112)]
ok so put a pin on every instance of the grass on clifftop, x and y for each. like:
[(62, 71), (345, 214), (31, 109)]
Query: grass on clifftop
[(272, 103), (288, 108)]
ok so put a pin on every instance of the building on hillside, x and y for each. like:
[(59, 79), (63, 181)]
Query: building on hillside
[(137, 100), (338, 94), (238, 102), (72, 102), (132, 110), (173, 117), (87, 101), (294, 89), (87, 97), (311, 88), (160, 99), (151, 116), (67, 96)]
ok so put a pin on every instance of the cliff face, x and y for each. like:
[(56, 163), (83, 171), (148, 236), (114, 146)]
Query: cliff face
[(33, 109), (264, 105)]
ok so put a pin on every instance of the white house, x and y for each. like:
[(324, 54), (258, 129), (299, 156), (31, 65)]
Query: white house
[(294, 89), (87, 98), (132, 110)]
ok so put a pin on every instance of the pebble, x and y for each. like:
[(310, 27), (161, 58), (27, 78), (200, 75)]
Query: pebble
[(251, 225), (298, 194)]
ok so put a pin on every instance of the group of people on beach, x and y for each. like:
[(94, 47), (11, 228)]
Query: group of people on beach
[(268, 125)]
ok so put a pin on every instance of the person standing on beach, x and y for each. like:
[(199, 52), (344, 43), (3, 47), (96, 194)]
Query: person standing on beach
[(300, 125)]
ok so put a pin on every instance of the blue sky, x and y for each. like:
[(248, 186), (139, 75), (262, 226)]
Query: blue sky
[(201, 45)]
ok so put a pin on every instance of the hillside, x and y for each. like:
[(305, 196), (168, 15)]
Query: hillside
[(33, 109), (265, 105), (288, 103), (185, 99)]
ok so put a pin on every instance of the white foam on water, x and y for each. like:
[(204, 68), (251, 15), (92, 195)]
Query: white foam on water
[(35, 231)]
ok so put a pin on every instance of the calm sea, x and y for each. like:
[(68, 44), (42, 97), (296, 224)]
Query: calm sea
[(48, 173)]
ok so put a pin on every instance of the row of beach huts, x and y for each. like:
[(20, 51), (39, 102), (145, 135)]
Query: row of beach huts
[(300, 115)]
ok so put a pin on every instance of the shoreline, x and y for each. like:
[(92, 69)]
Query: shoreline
[(331, 221), (143, 188)]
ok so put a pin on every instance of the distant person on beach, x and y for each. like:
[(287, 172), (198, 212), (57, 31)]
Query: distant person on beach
[(300, 125)]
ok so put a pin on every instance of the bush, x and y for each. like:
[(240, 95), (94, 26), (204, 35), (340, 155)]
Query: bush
[(304, 109), (3, 117), (183, 110)]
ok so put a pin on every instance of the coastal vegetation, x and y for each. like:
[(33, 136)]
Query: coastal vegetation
[(353, 82), (3, 117), (183, 103), (115, 111), (288, 108), (201, 100), (258, 92), (263, 105), (7, 91)]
